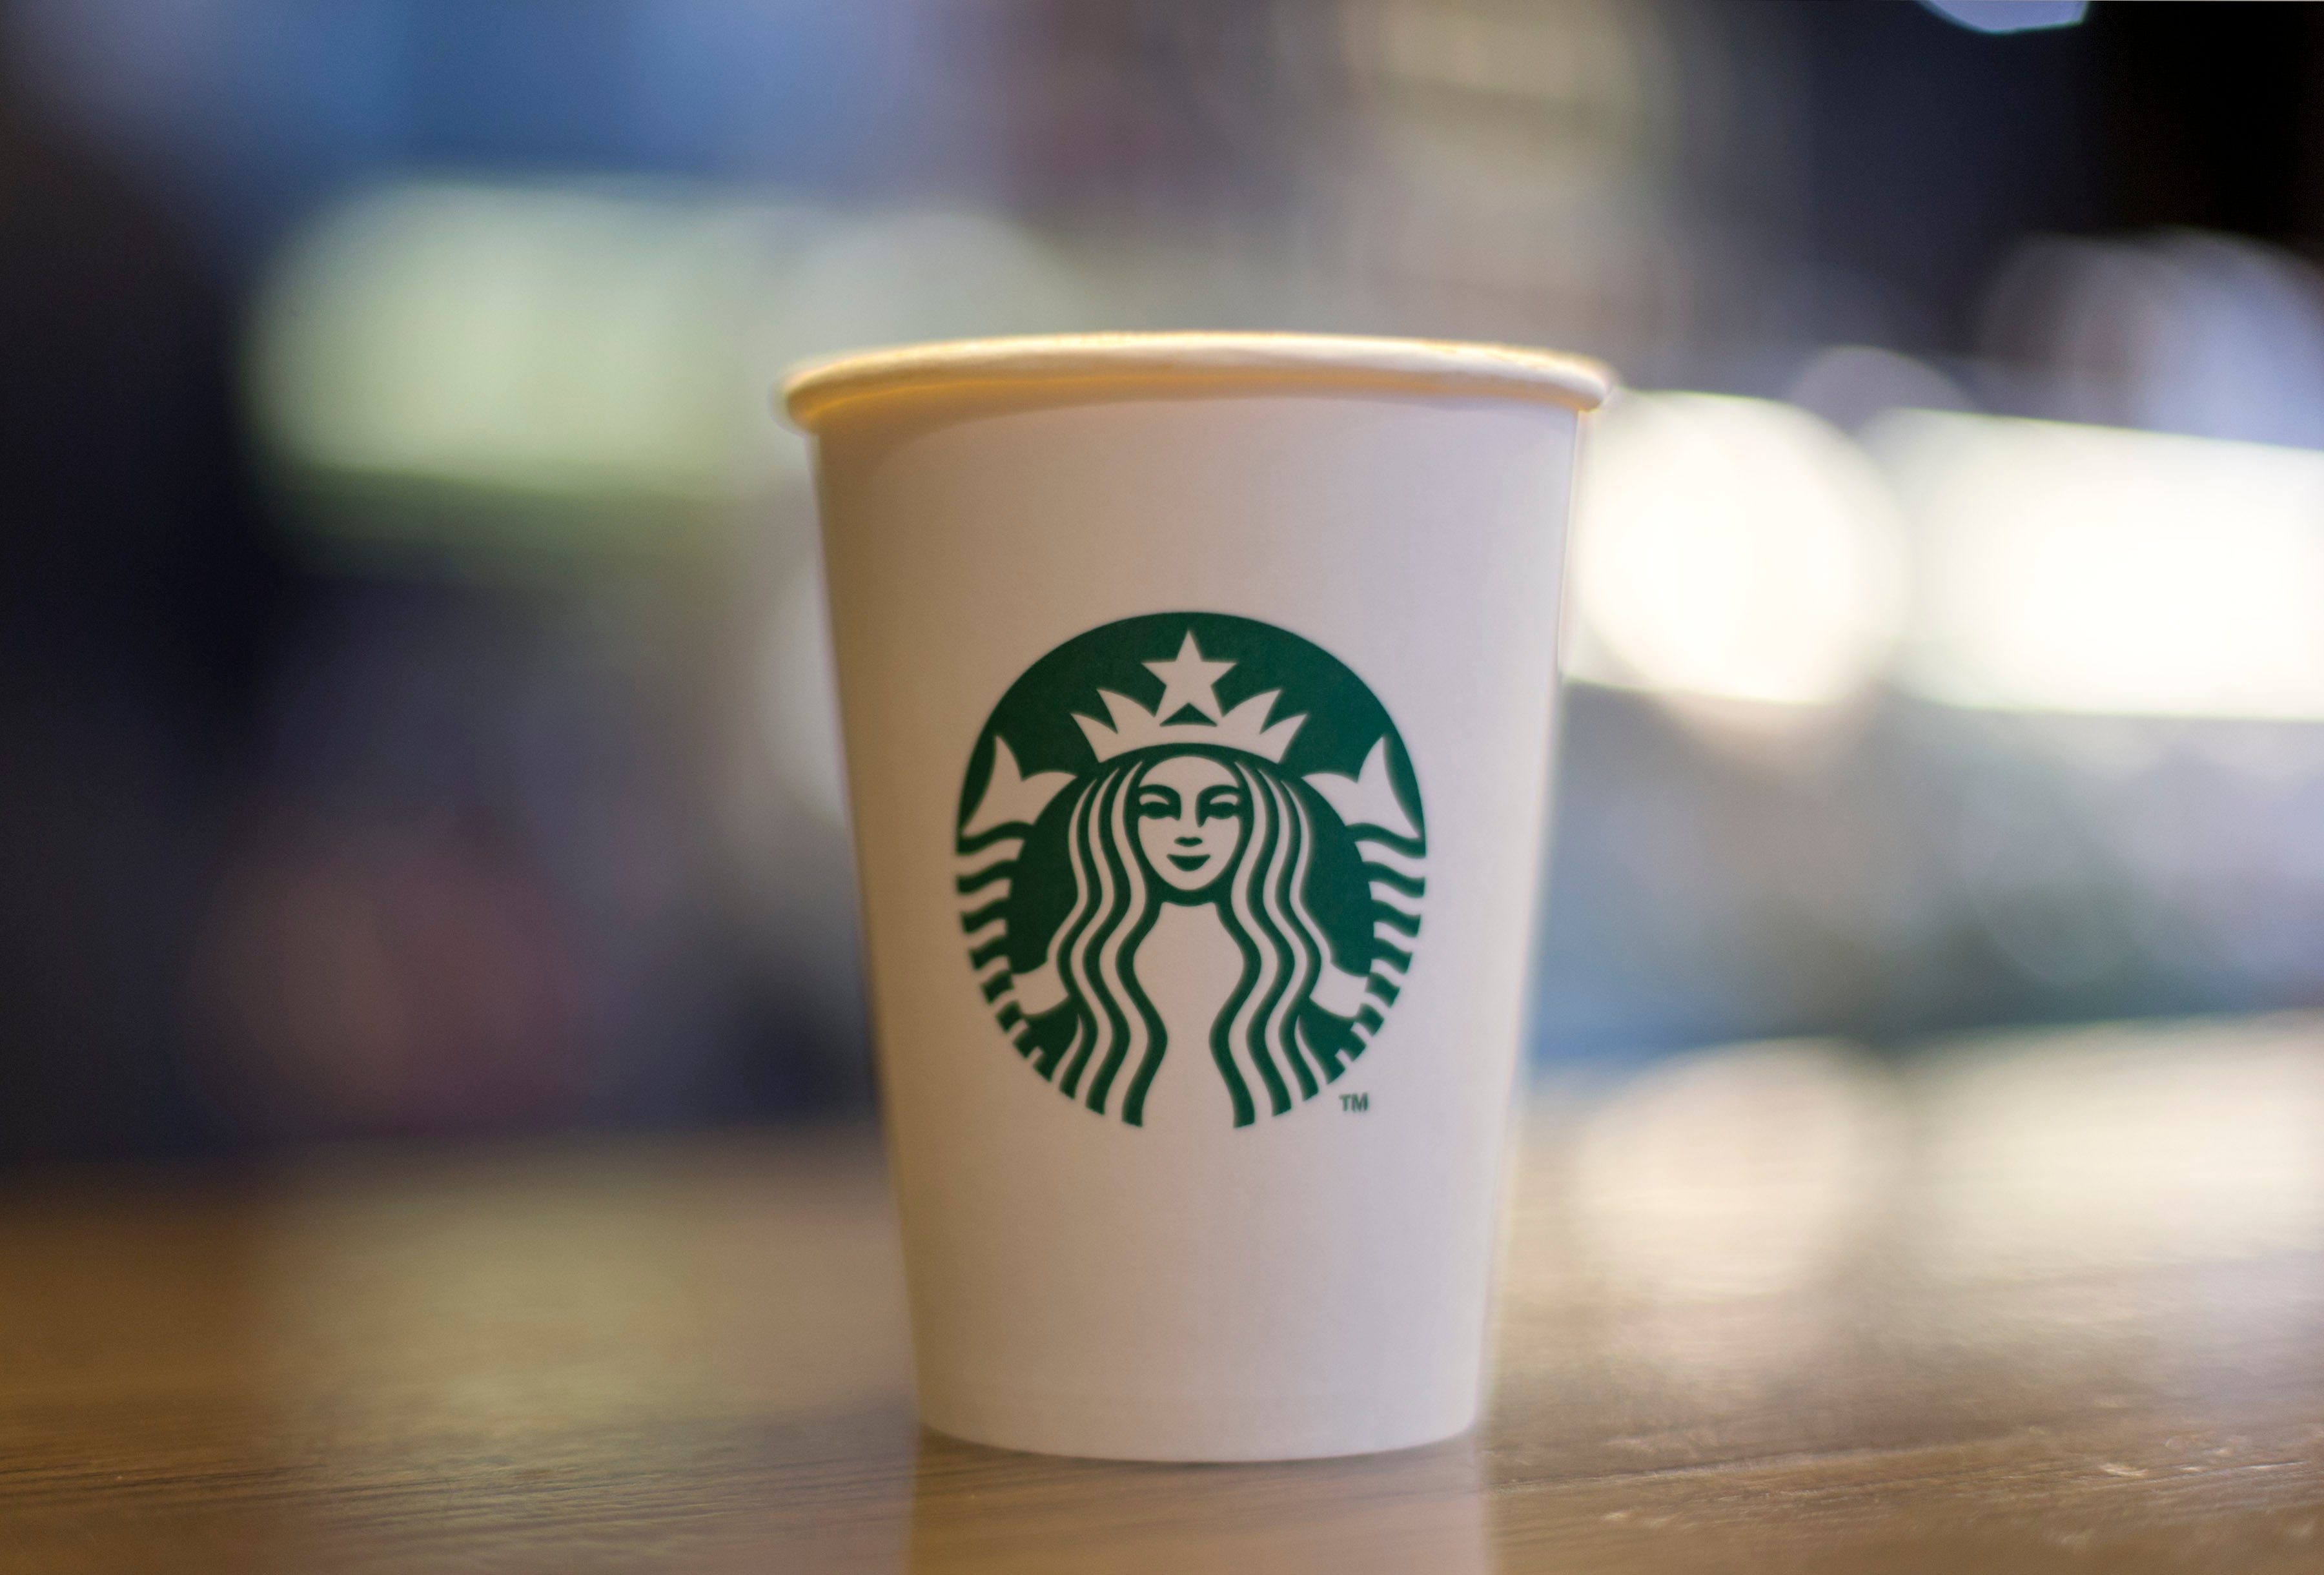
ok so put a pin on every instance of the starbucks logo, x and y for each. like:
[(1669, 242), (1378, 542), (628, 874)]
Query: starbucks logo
[(1190, 867)]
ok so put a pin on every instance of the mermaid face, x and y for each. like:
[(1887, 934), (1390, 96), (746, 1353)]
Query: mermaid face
[(1191, 815)]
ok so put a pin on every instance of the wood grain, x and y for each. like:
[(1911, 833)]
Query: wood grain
[(2052, 1303)]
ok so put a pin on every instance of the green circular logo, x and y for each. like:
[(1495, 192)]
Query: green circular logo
[(1191, 865)]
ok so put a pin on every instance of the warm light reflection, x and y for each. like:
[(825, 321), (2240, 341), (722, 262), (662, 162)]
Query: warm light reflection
[(1734, 548), (976, 1509), (2080, 568), (457, 1291), (1741, 1172), (2123, 1145)]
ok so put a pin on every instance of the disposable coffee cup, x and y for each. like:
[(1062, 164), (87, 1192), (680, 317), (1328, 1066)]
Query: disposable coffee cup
[(1198, 696)]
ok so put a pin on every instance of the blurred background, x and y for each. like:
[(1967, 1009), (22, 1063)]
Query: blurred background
[(415, 719)]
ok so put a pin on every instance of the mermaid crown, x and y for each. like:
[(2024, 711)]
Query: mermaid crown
[(1244, 729), (1190, 683)]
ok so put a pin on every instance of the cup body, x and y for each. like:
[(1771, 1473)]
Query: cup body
[(1198, 733)]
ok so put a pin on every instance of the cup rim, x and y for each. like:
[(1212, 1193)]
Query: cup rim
[(811, 391)]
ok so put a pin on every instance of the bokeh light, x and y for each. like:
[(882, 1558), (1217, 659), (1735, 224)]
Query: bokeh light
[(1733, 548), (2080, 569), (573, 341), (587, 340)]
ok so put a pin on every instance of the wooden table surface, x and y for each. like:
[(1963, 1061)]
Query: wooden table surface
[(2049, 1303)]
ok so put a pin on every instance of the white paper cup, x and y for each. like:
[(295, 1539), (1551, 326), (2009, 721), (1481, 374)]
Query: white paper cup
[(1198, 693)]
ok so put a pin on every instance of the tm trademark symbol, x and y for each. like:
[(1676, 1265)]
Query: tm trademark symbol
[(1356, 1103)]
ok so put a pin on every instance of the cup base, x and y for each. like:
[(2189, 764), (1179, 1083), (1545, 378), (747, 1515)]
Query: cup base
[(1202, 1432)]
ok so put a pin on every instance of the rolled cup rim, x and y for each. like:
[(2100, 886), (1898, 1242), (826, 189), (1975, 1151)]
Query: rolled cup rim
[(1234, 362)]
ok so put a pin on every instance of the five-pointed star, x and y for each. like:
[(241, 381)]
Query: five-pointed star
[(1187, 680)]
